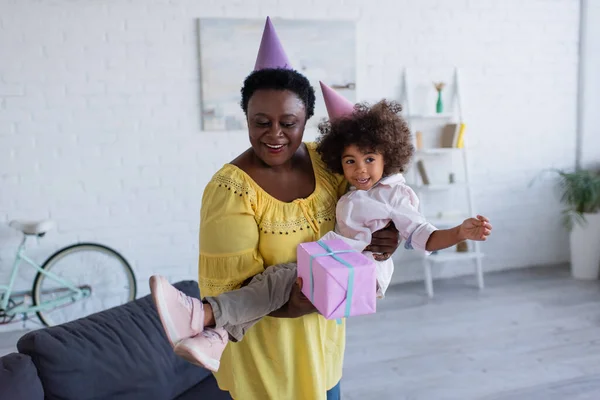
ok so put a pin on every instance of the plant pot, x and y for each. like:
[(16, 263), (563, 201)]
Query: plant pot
[(585, 248)]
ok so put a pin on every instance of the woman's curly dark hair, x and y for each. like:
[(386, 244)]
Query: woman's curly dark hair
[(279, 79), (377, 128)]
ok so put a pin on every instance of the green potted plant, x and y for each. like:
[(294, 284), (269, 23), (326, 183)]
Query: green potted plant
[(581, 196)]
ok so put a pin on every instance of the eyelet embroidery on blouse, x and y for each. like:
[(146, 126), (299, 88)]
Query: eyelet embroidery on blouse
[(217, 285), (237, 188), (296, 226), (325, 213)]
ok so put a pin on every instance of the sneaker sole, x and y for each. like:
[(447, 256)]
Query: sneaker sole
[(165, 319), (197, 357)]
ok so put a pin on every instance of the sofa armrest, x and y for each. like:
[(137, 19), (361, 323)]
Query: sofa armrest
[(19, 379), (118, 354)]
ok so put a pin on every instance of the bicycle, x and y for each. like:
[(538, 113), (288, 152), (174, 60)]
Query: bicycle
[(69, 292)]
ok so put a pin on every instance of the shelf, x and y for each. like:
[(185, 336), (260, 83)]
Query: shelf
[(431, 116), (438, 151), (447, 125), (437, 188), (447, 257), (446, 222)]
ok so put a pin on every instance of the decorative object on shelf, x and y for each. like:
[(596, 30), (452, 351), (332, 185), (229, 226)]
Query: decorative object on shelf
[(422, 172), (448, 135), (462, 247), (460, 137), (419, 137), (439, 106), (451, 177)]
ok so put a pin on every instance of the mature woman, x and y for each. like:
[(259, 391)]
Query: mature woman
[(255, 212)]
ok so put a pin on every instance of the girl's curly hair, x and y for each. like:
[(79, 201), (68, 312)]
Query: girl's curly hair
[(377, 128)]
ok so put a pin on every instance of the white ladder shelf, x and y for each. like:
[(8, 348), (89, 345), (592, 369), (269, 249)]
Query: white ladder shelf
[(456, 115)]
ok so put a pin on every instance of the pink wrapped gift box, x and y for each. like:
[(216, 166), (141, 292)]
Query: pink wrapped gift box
[(332, 282)]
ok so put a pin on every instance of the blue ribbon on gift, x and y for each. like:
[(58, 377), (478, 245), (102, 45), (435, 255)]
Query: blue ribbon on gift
[(333, 253)]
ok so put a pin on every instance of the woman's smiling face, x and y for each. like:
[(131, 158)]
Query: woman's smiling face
[(276, 121)]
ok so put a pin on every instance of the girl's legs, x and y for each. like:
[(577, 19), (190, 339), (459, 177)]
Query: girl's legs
[(238, 310), (185, 319), (182, 316)]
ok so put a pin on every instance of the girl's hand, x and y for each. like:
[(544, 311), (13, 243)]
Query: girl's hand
[(384, 242), (475, 229)]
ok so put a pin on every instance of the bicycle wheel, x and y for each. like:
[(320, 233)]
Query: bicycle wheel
[(99, 271)]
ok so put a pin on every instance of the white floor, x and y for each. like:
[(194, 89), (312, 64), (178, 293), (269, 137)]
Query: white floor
[(531, 334)]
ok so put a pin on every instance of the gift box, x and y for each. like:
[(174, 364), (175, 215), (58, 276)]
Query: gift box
[(339, 281)]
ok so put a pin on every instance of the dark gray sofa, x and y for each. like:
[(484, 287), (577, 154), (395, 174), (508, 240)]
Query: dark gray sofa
[(120, 354)]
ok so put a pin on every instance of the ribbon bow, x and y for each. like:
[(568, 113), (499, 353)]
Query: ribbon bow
[(333, 253)]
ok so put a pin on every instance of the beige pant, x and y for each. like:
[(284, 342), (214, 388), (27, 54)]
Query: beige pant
[(238, 310)]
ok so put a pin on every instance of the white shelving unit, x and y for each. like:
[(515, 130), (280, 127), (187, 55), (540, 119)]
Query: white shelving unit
[(455, 116), (437, 152)]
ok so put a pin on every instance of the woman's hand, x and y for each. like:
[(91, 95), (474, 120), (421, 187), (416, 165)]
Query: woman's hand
[(297, 306), (384, 242)]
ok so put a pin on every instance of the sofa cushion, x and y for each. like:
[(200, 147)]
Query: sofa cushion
[(120, 353), (19, 379)]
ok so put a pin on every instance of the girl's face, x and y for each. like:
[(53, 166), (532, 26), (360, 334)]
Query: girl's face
[(362, 168), (276, 120)]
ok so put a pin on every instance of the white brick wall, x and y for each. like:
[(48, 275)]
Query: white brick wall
[(99, 120)]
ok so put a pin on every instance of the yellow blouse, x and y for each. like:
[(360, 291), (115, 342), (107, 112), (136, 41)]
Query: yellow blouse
[(243, 230)]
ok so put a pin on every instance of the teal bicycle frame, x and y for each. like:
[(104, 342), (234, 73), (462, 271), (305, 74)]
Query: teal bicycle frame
[(74, 294)]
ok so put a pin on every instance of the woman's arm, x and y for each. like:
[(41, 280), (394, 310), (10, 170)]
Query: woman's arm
[(228, 241), (384, 242)]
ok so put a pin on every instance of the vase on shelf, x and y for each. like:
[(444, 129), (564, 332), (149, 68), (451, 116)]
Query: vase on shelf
[(419, 135), (439, 105)]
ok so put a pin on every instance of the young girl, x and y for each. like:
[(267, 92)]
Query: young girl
[(371, 146)]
